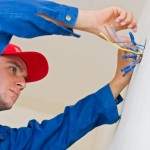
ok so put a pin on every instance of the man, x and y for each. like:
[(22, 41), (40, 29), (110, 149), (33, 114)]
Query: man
[(32, 18), (18, 68), (36, 18)]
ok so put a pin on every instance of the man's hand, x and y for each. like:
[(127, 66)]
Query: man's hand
[(120, 81), (95, 21)]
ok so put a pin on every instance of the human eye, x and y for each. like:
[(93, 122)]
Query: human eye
[(13, 69)]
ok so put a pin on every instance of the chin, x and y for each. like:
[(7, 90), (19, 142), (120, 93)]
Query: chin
[(2, 108), (6, 105), (7, 102)]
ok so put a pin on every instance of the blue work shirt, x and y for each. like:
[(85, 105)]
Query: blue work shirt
[(22, 18), (66, 128)]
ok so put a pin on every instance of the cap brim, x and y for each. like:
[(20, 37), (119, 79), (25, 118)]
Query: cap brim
[(37, 65)]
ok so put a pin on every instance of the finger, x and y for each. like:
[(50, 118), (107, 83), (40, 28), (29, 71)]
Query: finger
[(121, 15), (125, 39), (128, 20), (133, 26)]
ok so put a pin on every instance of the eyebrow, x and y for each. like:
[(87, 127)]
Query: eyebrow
[(16, 64)]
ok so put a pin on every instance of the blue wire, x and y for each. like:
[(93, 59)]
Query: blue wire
[(132, 38)]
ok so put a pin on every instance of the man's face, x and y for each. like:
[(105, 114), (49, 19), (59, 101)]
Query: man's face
[(13, 74)]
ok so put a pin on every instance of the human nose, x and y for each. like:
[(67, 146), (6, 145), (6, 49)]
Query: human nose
[(21, 83)]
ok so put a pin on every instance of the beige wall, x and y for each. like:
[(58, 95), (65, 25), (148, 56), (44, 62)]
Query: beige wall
[(78, 67)]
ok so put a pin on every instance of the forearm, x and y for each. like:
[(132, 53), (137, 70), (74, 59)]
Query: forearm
[(116, 88), (120, 80), (86, 21)]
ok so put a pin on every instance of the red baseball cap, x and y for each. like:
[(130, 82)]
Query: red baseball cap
[(37, 65)]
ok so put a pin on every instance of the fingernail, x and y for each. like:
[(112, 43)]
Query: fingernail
[(118, 20), (134, 29)]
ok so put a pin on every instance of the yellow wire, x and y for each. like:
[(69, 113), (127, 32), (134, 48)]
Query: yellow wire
[(116, 45)]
